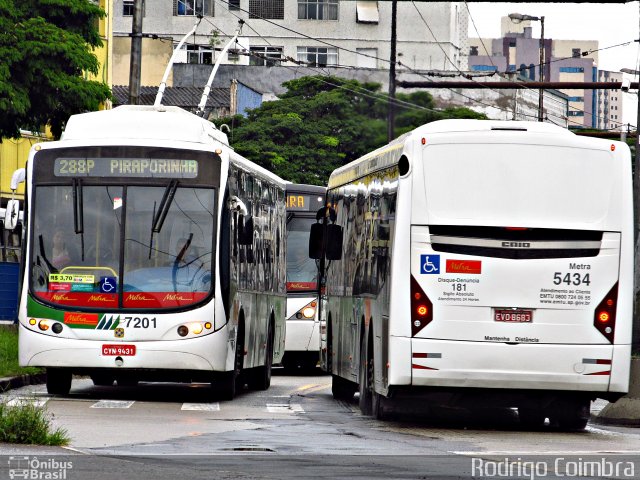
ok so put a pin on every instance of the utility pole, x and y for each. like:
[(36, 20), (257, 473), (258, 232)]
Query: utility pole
[(135, 64), (391, 118)]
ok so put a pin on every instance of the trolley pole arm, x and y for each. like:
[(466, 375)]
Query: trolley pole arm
[(163, 83), (207, 88)]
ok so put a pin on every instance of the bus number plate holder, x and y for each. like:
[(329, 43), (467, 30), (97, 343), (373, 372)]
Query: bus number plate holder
[(509, 315), (121, 350)]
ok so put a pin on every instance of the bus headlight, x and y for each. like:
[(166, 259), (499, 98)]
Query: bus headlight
[(43, 325), (308, 312)]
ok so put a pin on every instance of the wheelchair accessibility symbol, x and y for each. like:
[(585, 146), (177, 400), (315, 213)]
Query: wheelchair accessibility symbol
[(430, 264), (108, 284)]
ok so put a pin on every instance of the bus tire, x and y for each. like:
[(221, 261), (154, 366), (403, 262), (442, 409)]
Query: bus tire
[(571, 415), (260, 377), (342, 389), (58, 381), (228, 383), (531, 418), (379, 405), (364, 386)]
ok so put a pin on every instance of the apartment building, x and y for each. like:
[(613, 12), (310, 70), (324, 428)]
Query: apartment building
[(321, 33), (610, 103), (517, 51)]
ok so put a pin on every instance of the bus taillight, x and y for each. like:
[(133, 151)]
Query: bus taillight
[(421, 308), (605, 314)]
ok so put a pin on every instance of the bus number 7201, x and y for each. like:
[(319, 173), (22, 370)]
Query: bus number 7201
[(137, 322)]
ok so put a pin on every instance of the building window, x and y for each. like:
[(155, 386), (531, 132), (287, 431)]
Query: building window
[(575, 113), (194, 7), (473, 51), (572, 69), (367, 12), (199, 54), (575, 99), (318, 9), (265, 56), (575, 52), (484, 68), (127, 8), (234, 4), (271, 9), (318, 56)]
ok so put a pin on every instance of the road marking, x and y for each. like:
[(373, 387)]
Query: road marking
[(284, 408), (205, 407), (113, 404), (313, 387), (21, 401)]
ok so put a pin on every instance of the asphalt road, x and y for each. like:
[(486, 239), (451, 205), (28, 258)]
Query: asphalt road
[(295, 430)]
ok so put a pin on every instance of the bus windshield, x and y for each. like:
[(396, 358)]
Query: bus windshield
[(302, 271), (123, 246)]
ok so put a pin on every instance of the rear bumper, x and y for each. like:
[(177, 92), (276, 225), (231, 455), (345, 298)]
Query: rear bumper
[(487, 365)]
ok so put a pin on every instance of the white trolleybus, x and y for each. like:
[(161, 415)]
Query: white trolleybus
[(481, 264), (302, 342), (154, 253)]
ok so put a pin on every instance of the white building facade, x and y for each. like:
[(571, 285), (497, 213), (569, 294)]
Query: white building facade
[(347, 33)]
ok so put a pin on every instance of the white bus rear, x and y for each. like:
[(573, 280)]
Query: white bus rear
[(511, 270)]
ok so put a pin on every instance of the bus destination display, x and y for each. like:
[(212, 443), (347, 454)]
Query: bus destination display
[(126, 167)]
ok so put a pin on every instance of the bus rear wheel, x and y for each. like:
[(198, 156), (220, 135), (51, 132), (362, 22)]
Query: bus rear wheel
[(342, 389), (260, 377), (364, 385), (571, 415), (58, 381)]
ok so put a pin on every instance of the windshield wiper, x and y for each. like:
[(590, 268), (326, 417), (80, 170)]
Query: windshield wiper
[(78, 212), (165, 204), (163, 209)]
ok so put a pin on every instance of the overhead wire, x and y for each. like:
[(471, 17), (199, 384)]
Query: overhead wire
[(398, 63)]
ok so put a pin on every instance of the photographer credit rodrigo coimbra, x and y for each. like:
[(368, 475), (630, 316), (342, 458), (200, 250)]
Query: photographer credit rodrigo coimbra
[(559, 467)]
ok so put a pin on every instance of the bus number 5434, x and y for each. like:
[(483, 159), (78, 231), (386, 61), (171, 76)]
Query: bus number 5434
[(571, 278)]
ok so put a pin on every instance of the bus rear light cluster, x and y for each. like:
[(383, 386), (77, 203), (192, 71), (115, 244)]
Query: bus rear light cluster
[(307, 312), (421, 308), (196, 328), (605, 314)]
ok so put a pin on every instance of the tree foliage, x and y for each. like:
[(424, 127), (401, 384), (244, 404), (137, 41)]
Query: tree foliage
[(46, 48), (321, 123)]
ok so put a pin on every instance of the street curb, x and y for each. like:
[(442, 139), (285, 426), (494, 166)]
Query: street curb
[(626, 410), (9, 383)]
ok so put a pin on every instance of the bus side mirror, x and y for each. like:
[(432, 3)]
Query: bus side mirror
[(315, 241), (334, 242), (11, 214)]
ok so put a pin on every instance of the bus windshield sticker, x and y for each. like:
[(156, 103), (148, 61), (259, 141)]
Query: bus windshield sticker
[(117, 203), (71, 278)]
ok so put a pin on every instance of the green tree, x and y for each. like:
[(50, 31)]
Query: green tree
[(321, 123), (46, 47)]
